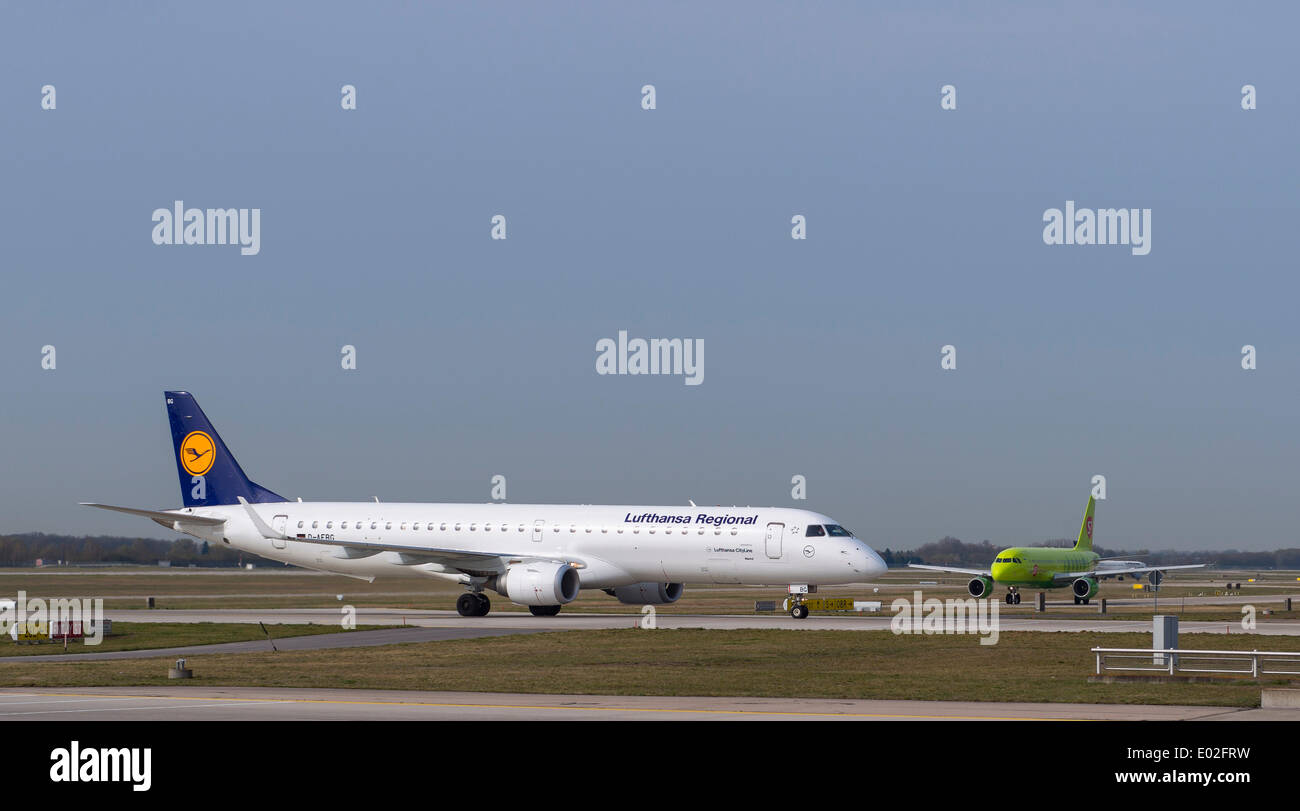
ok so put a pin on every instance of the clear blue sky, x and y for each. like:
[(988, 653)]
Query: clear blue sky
[(822, 356)]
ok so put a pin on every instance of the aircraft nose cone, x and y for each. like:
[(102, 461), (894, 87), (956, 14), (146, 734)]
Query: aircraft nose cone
[(874, 564)]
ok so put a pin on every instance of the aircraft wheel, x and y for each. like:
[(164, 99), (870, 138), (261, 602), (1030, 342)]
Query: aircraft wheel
[(799, 612), (1017, 600), (467, 605), (1076, 600), (544, 610), (484, 605), (1085, 600), (1010, 598)]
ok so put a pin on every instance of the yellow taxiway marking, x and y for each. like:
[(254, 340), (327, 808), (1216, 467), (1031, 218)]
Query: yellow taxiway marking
[(554, 707)]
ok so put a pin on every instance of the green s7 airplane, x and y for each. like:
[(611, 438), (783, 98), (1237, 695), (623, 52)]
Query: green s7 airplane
[(1045, 567)]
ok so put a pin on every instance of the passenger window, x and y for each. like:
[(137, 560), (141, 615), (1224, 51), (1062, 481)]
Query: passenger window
[(315, 524), (374, 525), (299, 525), (388, 525), (457, 527), (403, 525), (814, 531), (329, 525), (442, 527)]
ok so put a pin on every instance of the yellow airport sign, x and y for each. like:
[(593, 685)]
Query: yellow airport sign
[(829, 604)]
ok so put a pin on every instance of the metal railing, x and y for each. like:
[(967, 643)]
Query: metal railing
[(1253, 663)]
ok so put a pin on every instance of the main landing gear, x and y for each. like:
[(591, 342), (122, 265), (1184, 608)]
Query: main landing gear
[(1080, 600), (1013, 596), (473, 604), (544, 610)]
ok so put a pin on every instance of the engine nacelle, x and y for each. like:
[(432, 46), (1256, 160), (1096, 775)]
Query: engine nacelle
[(539, 583), (1085, 588), (647, 593), (980, 587)]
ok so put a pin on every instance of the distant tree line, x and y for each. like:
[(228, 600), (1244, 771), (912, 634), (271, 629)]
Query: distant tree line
[(951, 551), (26, 549)]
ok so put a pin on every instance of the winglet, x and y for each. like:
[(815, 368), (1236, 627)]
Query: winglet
[(262, 526)]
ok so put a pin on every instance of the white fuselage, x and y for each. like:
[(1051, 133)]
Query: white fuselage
[(616, 545)]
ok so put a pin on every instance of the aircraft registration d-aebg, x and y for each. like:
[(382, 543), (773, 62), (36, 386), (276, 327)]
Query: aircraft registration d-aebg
[(1049, 567), (536, 555)]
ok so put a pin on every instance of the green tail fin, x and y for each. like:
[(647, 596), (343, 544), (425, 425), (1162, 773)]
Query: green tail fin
[(1084, 544)]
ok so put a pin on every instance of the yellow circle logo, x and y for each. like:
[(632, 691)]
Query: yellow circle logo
[(197, 453)]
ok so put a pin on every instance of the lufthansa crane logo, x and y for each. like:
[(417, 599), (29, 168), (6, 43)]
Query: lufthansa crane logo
[(197, 453)]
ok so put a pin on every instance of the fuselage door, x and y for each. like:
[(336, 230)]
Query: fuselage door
[(278, 524), (774, 534)]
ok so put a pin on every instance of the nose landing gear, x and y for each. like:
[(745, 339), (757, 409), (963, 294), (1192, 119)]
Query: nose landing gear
[(1013, 596)]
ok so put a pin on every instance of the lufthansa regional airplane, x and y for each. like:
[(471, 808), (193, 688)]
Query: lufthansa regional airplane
[(1047, 567), (534, 555)]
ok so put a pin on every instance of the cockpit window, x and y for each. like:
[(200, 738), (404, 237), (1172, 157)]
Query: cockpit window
[(814, 531), (837, 531)]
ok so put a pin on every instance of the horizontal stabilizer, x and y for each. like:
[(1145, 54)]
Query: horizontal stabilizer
[(164, 517)]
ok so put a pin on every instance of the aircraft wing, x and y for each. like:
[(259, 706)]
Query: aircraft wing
[(973, 572), (412, 554), (1128, 570)]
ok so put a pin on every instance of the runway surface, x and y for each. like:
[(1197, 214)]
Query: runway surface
[(278, 704), (519, 621)]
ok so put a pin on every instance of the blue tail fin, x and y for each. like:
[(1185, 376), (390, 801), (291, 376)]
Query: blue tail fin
[(209, 474)]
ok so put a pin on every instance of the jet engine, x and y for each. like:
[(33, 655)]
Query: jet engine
[(647, 593), (980, 587), (1085, 588), (538, 583)]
